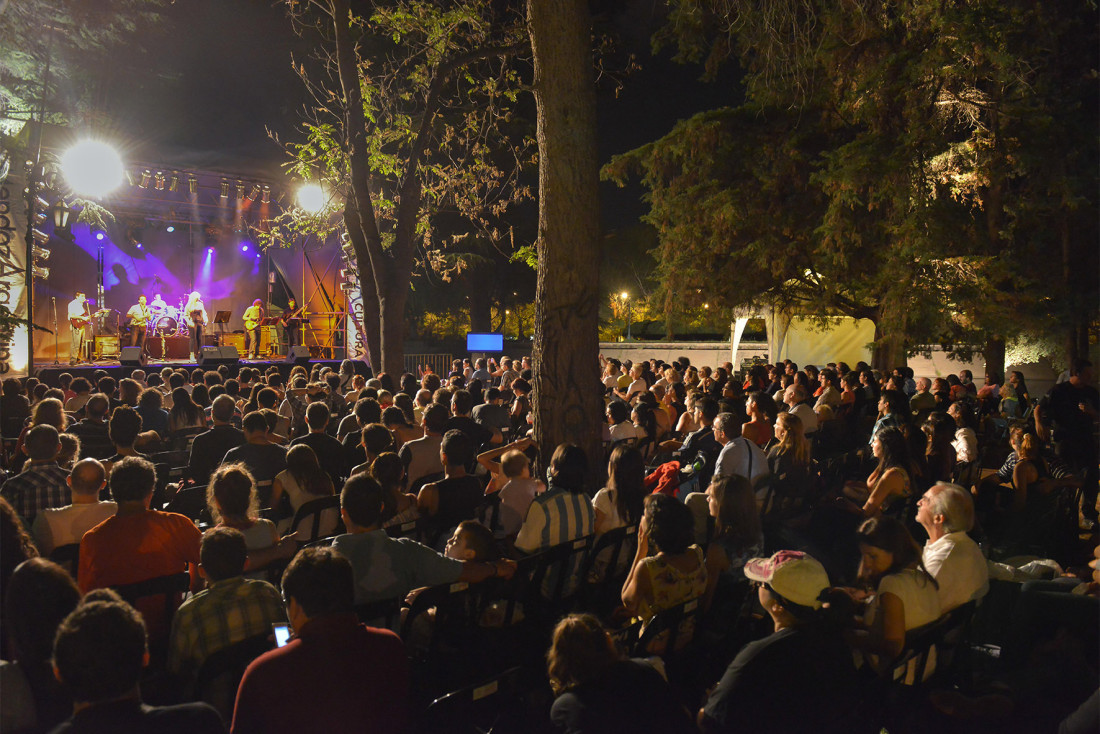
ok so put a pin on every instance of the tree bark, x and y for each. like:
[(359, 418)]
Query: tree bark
[(888, 351), (567, 401), (994, 354)]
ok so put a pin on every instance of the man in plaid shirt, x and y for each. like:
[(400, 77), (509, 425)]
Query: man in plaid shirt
[(230, 610), (42, 483)]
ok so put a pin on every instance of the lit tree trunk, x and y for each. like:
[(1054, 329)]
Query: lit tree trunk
[(567, 400), (994, 354)]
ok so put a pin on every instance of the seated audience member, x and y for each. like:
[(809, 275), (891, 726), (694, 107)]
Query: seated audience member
[(95, 441), (57, 526), (210, 447), (758, 429), (702, 439), (70, 451), (264, 458), (40, 595), (889, 482), (598, 691), (99, 652), (82, 393), (493, 413), (618, 420), (303, 480), (512, 479), (939, 455), (795, 398), (123, 429), (231, 608), (462, 402), (366, 411), (399, 506), (798, 679), (138, 543), (739, 455), (563, 512), (676, 572), (150, 407), (905, 595), (336, 675), (456, 497), (621, 501), (421, 456), (42, 483), (375, 440), (387, 568), (329, 451), (393, 418), (946, 512), (789, 460), (233, 503), (966, 440), (738, 536), (1028, 474), (185, 414)]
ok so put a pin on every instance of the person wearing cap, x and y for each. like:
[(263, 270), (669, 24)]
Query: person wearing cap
[(798, 679)]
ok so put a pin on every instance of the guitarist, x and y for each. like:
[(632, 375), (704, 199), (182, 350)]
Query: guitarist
[(139, 315), (79, 318), (253, 315), (292, 323)]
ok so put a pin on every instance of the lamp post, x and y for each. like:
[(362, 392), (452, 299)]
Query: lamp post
[(626, 300)]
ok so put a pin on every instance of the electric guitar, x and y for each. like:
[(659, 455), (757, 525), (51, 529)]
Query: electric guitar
[(252, 323), (286, 317), (79, 322)]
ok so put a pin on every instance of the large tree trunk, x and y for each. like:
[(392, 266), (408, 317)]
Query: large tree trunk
[(994, 354), (567, 400), (392, 305), (888, 351)]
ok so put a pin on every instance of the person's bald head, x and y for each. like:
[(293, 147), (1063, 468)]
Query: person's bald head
[(87, 477)]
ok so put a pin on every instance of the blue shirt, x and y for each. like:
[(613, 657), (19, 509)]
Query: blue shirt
[(386, 568)]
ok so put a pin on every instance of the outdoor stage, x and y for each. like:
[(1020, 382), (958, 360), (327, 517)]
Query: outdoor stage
[(49, 373)]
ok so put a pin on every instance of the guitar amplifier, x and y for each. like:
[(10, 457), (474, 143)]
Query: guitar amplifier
[(106, 346), (233, 340)]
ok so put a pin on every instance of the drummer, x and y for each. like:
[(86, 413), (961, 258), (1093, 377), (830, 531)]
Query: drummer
[(158, 305)]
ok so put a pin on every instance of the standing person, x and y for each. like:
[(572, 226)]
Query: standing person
[(195, 315), (139, 315), (292, 322), (253, 315), (79, 318), (1070, 409)]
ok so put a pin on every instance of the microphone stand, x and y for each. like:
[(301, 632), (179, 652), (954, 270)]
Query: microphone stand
[(53, 303)]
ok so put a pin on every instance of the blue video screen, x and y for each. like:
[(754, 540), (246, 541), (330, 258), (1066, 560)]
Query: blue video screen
[(484, 342)]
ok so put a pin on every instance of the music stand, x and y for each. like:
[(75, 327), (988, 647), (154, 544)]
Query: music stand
[(221, 318)]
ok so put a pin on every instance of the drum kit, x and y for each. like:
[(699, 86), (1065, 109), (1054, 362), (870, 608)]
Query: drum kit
[(168, 321)]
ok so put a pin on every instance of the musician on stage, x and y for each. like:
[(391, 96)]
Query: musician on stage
[(195, 315), (292, 323), (252, 317), (79, 318), (139, 315), (158, 305)]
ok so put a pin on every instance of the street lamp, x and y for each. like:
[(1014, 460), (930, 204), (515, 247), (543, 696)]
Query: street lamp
[(626, 300), (311, 198)]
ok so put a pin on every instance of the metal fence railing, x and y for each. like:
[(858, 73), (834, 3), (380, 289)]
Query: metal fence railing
[(440, 363)]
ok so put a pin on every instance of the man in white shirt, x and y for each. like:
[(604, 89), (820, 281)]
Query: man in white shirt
[(60, 526), (139, 315), (794, 397), (78, 308), (946, 511), (739, 456)]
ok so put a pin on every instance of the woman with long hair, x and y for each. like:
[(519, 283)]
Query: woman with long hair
[(621, 501), (303, 479), (49, 411), (904, 593), (791, 467), (1026, 474), (185, 413), (890, 481), (232, 501), (939, 454), (738, 535), (194, 313), (598, 690), (398, 506)]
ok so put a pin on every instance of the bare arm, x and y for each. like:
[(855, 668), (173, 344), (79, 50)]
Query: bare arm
[(637, 588)]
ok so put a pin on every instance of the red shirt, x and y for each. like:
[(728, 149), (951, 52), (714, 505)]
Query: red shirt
[(125, 550), (337, 676)]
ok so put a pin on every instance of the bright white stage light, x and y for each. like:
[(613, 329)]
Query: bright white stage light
[(311, 197), (92, 168)]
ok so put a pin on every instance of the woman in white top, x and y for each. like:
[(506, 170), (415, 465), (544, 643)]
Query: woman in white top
[(232, 501), (902, 594), (302, 480), (966, 441), (621, 501)]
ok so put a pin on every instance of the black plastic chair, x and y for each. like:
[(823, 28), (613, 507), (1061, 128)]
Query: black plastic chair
[(68, 557), (221, 673), (670, 630), (602, 579), (312, 513), (495, 704), (382, 613), (409, 529), (171, 587), (189, 501)]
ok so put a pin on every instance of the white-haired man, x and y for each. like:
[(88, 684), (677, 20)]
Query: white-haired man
[(946, 511)]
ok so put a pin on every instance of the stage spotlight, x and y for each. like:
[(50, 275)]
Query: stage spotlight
[(138, 245), (240, 189), (267, 195), (244, 247), (311, 197), (40, 216), (99, 236), (169, 229), (160, 180), (209, 250), (40, 237), (40, 252), (146, 177), (174, 182), (192, 183), (254, 192), (225, 188), (40, 272)]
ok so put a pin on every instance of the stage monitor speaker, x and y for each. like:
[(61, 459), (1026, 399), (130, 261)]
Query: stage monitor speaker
[(298, 355), (213, 356), (131, 357)]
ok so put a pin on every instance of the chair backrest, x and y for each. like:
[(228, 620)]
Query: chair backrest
[(485, 706), (919, 643), (383, 613), (320, 517), (221, 673), (603, 570), (457, 608), (171, 587), (670, 630), (408, 529), (67, 556), (488, 512), (553, 568), (189, 501)]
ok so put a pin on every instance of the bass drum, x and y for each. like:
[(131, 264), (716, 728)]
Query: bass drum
[(166, 326)]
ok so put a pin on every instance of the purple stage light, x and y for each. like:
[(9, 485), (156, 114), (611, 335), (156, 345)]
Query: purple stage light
[(99, 236), (209, 250), (244, 248), (139, 246)]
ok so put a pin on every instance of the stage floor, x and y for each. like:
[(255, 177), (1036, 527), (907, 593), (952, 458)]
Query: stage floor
[(48, 373)]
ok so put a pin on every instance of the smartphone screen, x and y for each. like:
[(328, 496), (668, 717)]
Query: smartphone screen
[(282, 634)]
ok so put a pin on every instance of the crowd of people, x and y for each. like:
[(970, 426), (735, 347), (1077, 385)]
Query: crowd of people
[(818, 518)]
